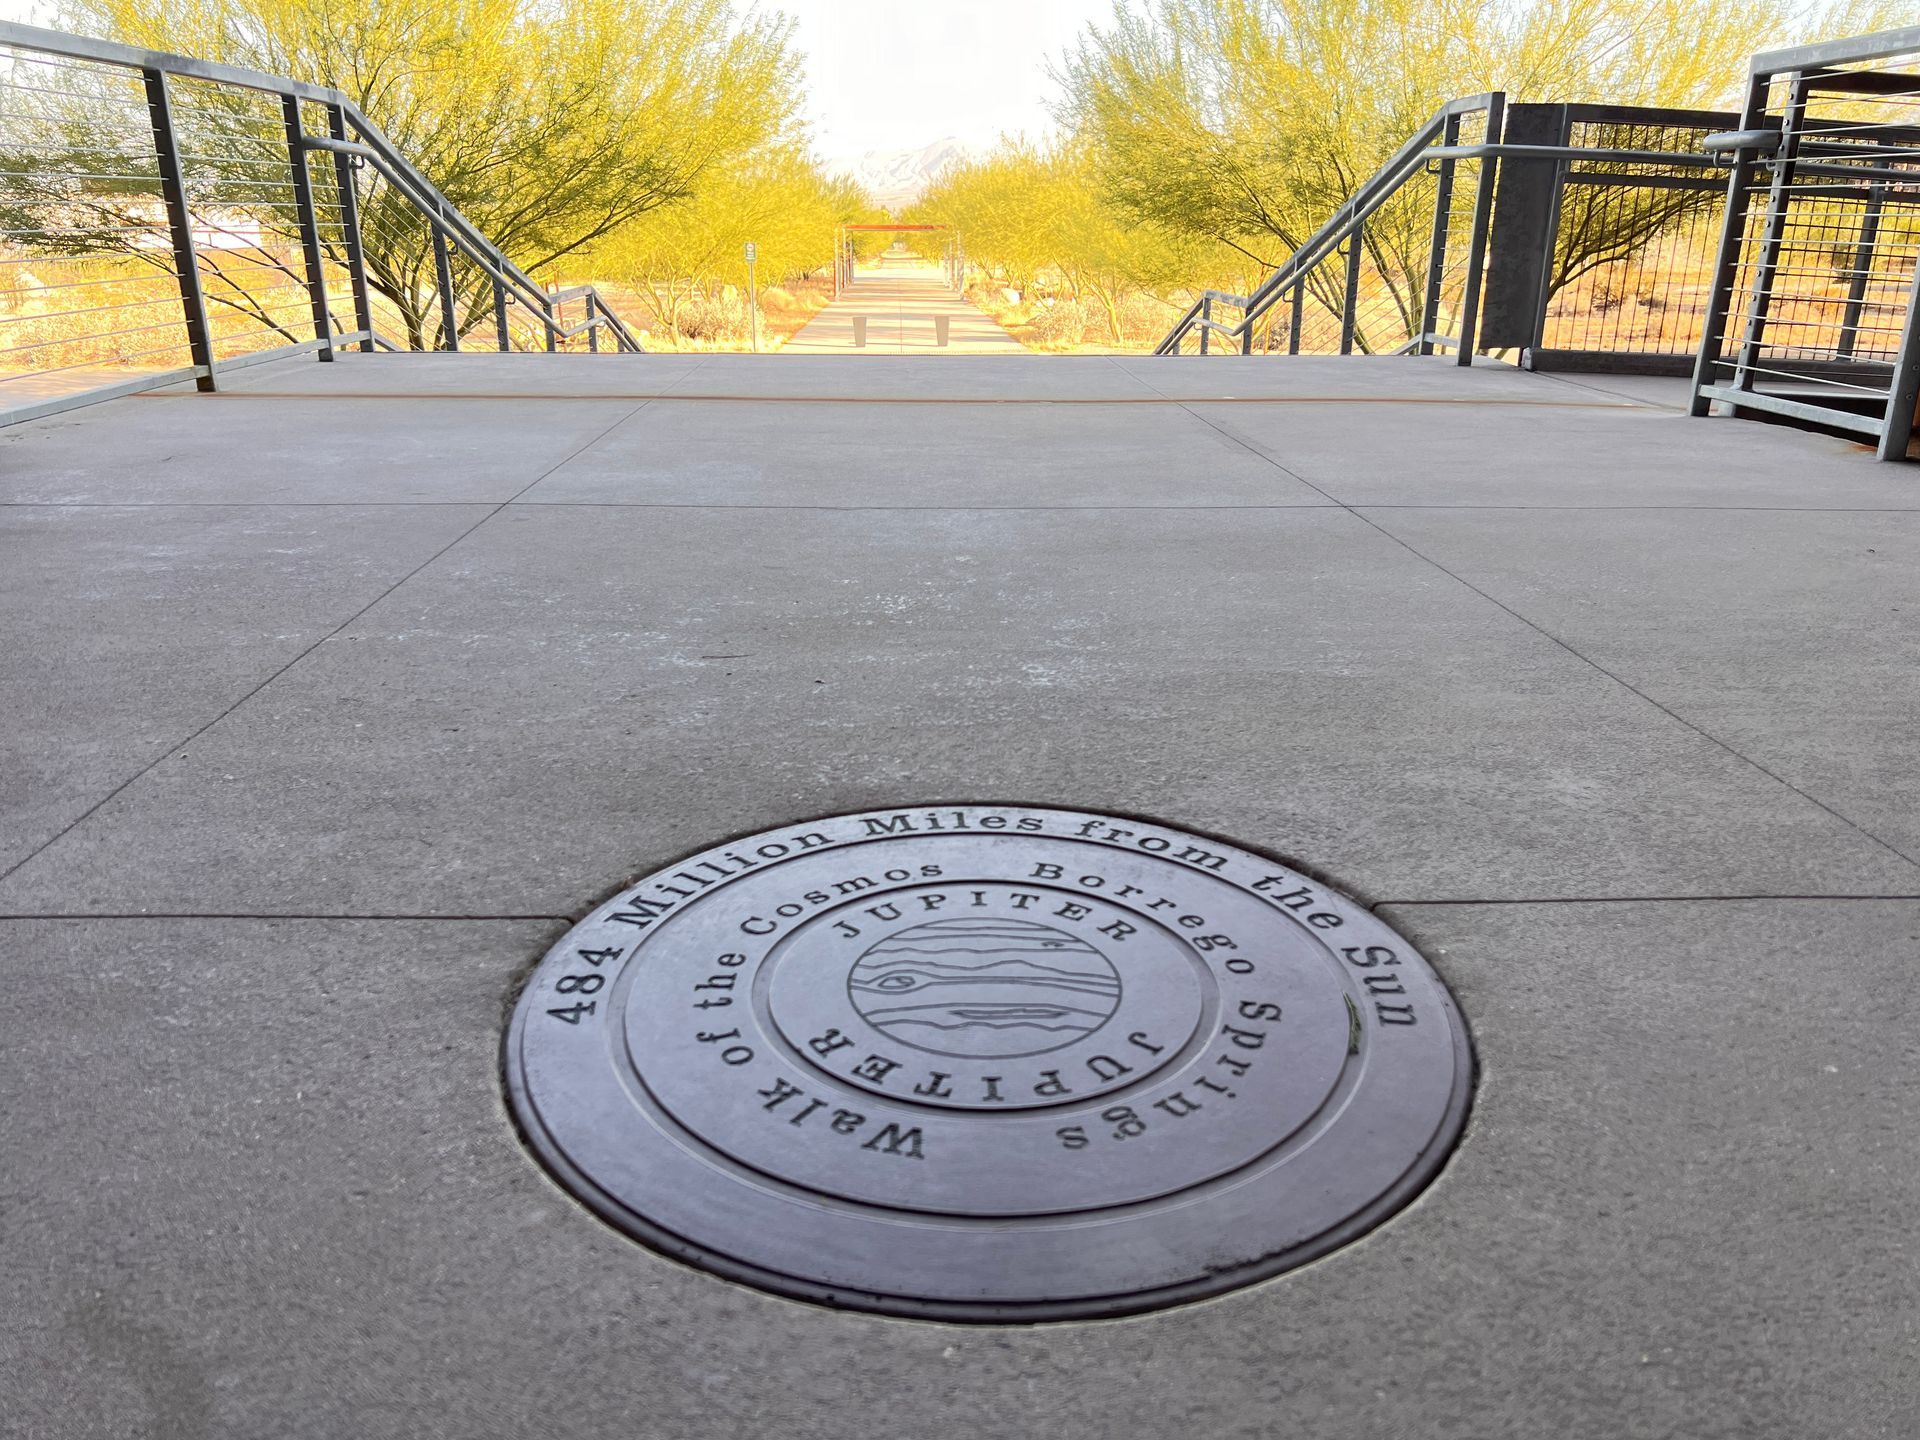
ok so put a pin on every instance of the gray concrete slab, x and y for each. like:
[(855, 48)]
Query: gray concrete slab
[(1794, 637), (468, 372), (975, 378), (259, 1180), (956, 379), (941, 456), (1018, 377), (1669, 392), (979, 377), (1373, 379), (571, 695), (129, 629), (1528, 455), (261, 1183), (246, 449)]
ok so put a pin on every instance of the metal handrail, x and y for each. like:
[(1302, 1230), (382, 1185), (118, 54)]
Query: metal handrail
[(1770, 345), (1411, 159), (492, 262), (1405, 162), (1882, 45), (111, 52), (1681, 158), (353, 139)]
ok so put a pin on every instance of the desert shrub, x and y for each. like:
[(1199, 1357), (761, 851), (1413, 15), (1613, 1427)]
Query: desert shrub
[(707, 317), (1143, 319), (1608, 293), (1062, 323)]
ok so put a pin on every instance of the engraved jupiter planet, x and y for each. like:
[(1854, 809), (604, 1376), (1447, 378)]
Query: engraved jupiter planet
[(984, 988)]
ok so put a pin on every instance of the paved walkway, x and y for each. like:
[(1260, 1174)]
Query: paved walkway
[(328, 701), (900, 296)]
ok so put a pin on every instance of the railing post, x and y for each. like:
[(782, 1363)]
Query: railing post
[(309, 225), (1348, 318), (1903, 395), (1550, 242), (1437, 245), (500, 317), (1206, 319), (593, 325), (1726, 273), (1862, 271), (553, 329), (1482, 222), (1773, 238), (173, 190), (1293, 322), (343, 167), (443, 273)]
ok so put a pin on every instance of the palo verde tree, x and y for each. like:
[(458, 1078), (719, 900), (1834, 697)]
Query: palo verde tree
[(1249, 121), (1029, 213), (777, 198), (1003, 203), (550, 126)]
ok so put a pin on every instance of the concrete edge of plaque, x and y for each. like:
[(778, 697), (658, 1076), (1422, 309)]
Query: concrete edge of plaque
[(610, 1194)]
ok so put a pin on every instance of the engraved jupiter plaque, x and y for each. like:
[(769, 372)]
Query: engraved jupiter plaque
[(988, 1063)]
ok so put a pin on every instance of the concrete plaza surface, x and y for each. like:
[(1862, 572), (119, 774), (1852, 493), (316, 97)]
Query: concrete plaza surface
[(330, 700)]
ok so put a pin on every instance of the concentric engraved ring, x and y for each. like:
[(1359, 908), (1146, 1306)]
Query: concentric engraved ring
[(988, 1063)]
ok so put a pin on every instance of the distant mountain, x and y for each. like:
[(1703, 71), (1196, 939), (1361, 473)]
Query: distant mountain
[(897, 178)]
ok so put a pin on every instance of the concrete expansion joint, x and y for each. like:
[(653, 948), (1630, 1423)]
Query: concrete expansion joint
[(1358, 513), (1356, 507), (1502, 402), (1375, 906)]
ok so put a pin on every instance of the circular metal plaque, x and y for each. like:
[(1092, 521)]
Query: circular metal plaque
[(988, 1063)]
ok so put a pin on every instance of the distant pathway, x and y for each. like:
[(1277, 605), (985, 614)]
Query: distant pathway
[(900, 303)]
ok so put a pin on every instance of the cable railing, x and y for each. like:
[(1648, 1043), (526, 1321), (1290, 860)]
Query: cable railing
[(1772, 254), (166, 219), (1319, 298), (1815, 308), (1497, 227)]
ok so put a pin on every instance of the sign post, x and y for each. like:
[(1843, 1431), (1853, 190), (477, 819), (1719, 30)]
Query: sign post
[(753, 297)]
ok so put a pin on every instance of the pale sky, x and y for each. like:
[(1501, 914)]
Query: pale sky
[(899, 74)]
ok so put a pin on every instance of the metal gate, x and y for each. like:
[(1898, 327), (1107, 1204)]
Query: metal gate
[(1816, 286)]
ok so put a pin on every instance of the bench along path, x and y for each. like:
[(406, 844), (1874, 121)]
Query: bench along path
[(901, 304), (327, 703)]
